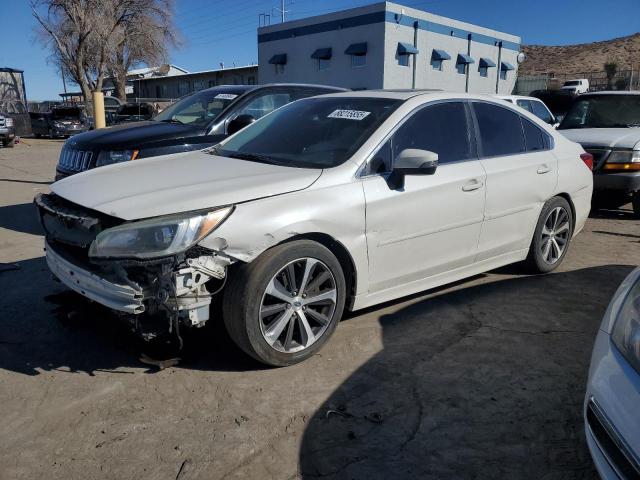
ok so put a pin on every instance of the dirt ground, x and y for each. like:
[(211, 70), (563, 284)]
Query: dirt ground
[(483, 379)]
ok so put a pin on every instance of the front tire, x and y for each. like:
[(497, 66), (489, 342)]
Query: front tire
[(284, 306), (552, 236)]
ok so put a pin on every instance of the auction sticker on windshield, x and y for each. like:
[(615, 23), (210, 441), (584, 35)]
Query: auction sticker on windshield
[(225, 96), (349, 114)]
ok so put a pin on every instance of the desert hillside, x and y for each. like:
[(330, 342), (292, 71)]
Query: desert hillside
[(581, 58)]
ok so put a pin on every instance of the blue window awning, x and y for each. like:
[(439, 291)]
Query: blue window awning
[(406, 49), (486, 62), (356, 49), (464, 58), (440, 55), (506, 66), (322, 53), (279, 59)]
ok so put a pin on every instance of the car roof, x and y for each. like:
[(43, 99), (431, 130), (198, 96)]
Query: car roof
[(515, 97), (307, 85), (611, 92)]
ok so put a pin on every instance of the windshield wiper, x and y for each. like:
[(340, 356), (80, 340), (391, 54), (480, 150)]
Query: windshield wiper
[(254, 157)]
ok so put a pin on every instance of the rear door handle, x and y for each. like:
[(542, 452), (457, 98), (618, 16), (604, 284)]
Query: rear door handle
[(544, 168), (474, 184)]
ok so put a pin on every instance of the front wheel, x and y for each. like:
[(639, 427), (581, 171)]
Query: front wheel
[(283, 307), (552, 236)]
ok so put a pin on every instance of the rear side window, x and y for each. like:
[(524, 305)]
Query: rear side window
[(500, 130), (540, 111), (534, 137), (440, 128)]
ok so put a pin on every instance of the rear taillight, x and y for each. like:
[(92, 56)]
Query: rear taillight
[(587, 158)]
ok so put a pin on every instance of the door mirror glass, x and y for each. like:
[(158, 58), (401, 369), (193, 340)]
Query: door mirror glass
[(412, 161), (239, 123)]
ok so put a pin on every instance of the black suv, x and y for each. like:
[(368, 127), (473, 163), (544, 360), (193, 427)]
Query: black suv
[(195, 122), (14, 121)]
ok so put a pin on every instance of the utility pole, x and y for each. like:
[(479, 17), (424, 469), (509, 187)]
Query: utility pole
[(282, 10)]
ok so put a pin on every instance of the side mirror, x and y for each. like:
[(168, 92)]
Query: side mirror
[(412, 161), (239, 123)]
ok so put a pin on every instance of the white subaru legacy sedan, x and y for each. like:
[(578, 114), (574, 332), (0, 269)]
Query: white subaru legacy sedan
[(330, 203)]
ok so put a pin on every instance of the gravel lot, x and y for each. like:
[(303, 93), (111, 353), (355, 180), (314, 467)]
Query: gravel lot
[(483, 379)]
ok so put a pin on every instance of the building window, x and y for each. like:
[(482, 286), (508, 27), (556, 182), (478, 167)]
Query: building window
[(461, 68), (436, 64), (358, 60), (403, 60), (323, 63), (503, 74), (484, 71), (279, 68)]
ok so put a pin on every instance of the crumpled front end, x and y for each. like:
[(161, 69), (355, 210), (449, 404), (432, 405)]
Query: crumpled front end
[(156, 295)]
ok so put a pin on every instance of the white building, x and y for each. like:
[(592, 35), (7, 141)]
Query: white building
[(386, 45)]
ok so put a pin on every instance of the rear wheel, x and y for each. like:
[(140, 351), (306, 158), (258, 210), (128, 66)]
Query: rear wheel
[(283, 307), (9, 143), (552, 236)]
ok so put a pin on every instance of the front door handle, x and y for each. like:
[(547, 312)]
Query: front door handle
[(544, 168), (474, 184)]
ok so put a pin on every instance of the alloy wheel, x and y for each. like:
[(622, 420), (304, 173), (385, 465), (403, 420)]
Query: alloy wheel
[(298, 305), (555, 235)]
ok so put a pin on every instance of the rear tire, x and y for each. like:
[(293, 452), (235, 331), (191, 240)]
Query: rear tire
[(9, 143), (635, 202), (252, 313), (552, 236)]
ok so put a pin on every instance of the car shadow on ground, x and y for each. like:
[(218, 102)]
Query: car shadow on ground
[(625, 212), (482, 382), (21, 218)]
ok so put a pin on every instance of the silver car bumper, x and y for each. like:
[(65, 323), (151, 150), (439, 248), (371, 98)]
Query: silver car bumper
[(123, 298)]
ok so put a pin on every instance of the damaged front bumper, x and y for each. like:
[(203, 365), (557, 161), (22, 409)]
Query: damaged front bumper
[(123, 298), (175, 289)]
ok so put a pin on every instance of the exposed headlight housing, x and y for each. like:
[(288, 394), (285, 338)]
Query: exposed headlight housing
[(8, 121), (626, 329), (157, 237), (116, 156)]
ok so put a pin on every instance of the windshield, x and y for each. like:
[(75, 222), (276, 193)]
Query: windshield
[(198, 109), (315, 133), (66, 113), (604, 111)]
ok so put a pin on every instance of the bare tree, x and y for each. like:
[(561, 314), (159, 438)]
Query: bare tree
[(84, 34), (143, 39)]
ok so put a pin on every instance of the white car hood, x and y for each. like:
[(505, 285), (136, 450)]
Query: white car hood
[(179, 183), (604, 137)]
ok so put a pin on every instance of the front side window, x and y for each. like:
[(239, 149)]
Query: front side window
[(358, 60), (604, 111), (198, 109), (319, 132), (500, 130)]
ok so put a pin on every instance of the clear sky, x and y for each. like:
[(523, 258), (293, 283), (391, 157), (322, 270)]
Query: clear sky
[(216, 31)]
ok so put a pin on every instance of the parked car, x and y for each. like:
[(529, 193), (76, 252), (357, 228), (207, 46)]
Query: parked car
[(606, 125), (17, 112), (134, 112), (339, 201), (558, 101), (197, 121), (533, 105), (63, 121), (7, 131), (577, 85), (611, 413)]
